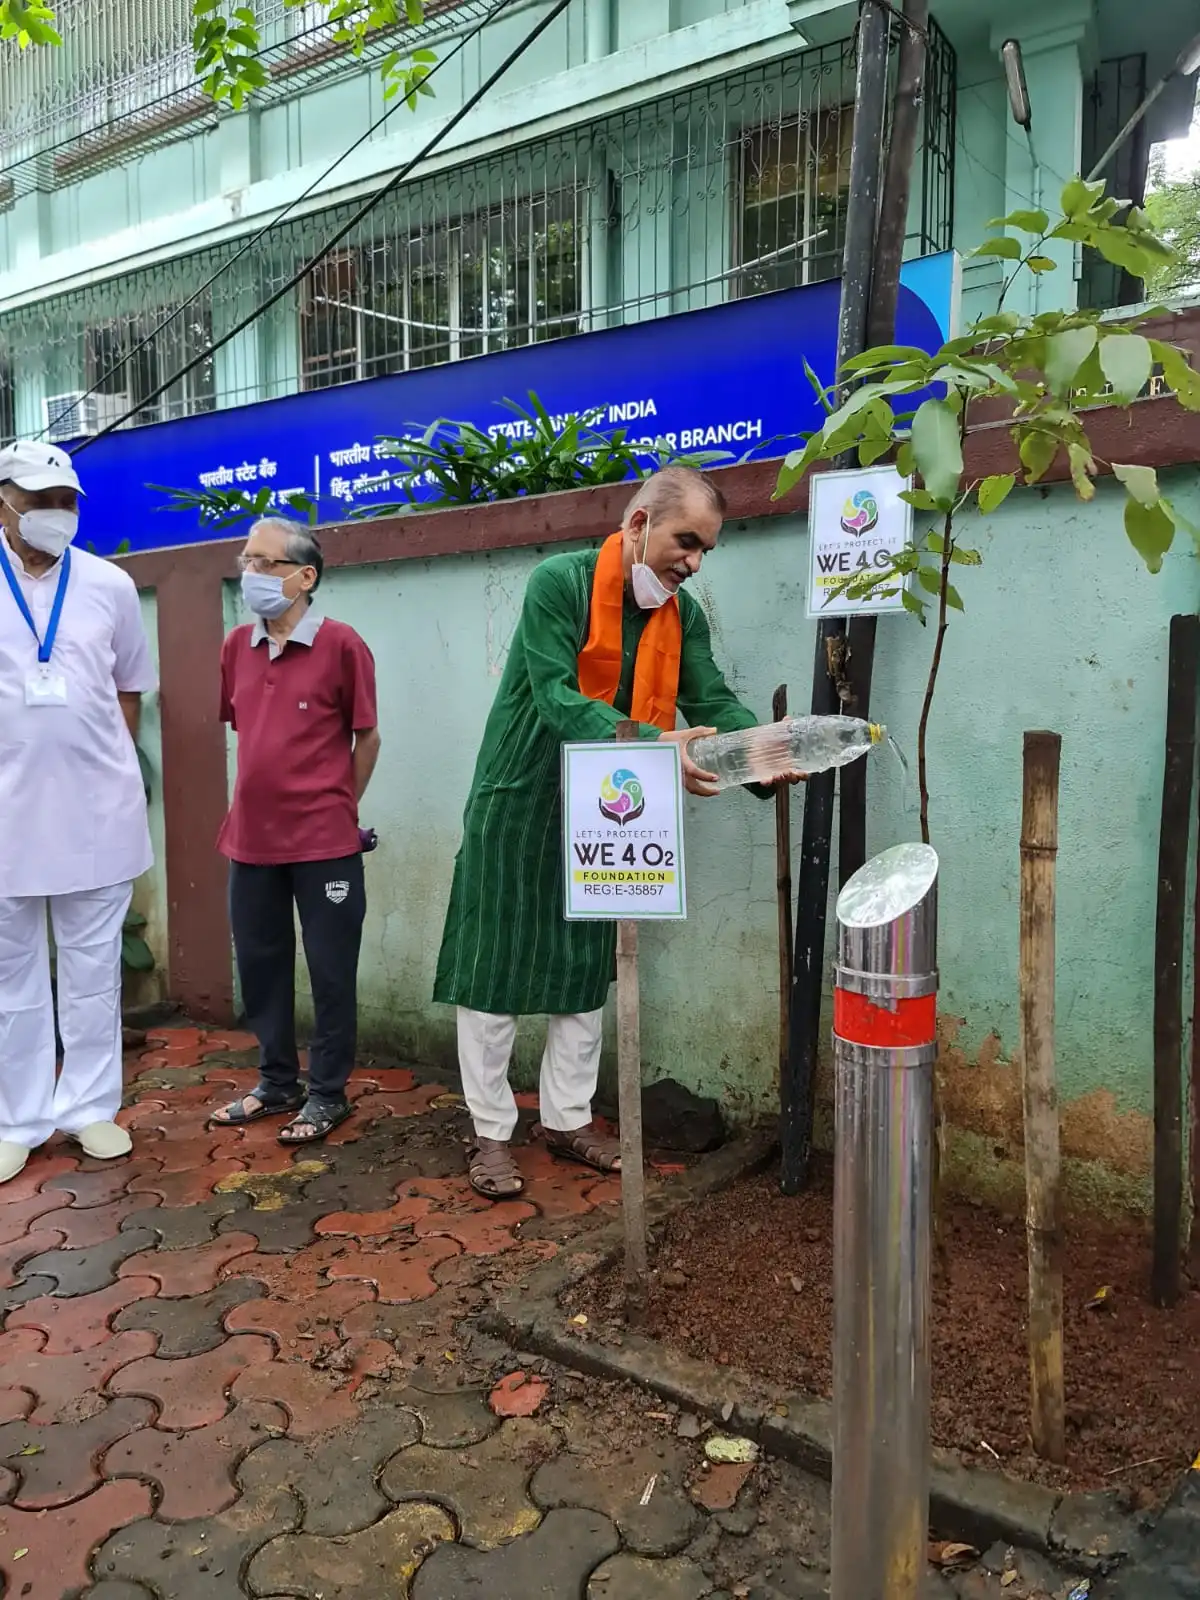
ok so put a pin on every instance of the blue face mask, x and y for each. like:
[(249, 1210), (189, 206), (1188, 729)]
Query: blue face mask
[(264, 595)]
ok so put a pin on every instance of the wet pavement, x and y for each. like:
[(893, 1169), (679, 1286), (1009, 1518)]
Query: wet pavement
[(230, 1368)]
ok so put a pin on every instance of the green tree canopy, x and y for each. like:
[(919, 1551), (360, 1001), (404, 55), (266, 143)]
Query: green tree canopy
[(1173, 209)]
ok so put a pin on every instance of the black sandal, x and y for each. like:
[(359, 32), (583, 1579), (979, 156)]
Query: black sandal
[(271, 1104), (322, 1116)]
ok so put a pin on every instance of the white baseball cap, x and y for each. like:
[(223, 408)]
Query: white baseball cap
[(35, 466)]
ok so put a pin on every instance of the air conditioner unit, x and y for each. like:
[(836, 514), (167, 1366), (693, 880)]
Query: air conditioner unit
[(67, 416), (107, 409)]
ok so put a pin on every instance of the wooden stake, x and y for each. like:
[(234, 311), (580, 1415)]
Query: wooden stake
[(783, 887), (1039, 847), (1183, 668), (629, 1107)]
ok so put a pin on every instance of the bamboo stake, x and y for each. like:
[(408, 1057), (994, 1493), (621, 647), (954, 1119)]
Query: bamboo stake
[(1039, 847), (783, 888), (629, 1107)]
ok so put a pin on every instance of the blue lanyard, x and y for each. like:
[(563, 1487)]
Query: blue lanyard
[(46, 645)]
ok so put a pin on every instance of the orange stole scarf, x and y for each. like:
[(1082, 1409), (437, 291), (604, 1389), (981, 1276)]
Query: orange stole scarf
[(656, 670)]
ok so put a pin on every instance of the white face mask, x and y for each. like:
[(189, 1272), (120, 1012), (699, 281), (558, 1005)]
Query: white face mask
[(48, 531), (648, 588)]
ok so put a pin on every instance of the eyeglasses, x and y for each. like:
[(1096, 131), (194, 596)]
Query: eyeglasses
[(262, 564)]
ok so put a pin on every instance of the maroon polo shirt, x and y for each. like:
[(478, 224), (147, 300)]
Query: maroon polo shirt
[(295, 717)]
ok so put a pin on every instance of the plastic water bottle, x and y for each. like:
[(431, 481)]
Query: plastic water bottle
[(797, 744)]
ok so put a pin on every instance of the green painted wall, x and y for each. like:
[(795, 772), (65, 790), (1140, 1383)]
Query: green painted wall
[(1064, 629)]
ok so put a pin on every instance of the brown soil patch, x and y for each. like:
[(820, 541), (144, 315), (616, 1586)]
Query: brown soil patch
[(748, 1284)]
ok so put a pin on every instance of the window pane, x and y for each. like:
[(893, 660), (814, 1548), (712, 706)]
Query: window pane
[(795, 181)]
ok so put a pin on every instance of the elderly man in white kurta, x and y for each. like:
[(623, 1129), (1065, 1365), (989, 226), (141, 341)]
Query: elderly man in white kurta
[(74, 664)]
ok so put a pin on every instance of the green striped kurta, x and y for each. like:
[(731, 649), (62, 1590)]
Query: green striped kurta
[(507, 947)]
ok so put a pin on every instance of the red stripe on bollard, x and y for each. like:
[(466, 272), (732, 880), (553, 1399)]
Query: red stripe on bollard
[(858, 1021)]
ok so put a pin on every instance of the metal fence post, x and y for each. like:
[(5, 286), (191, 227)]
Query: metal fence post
[(885, 1013)]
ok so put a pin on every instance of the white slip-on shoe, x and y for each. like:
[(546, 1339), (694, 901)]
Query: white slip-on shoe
[(103, 1140), (12, 1159)]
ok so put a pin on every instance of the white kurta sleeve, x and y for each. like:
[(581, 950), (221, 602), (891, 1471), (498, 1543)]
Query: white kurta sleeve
[(133, 669)]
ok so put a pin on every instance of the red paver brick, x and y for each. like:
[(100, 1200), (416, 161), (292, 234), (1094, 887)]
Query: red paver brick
[(16, 1215), (57, 1544), (58, 1381), (605, 1193), (243, 1078), (172, 1056), (192, 1155), (57, 1464), (194, 1470), (37, 1173), (92, 1225), (262, 1154), (192, 1391), (180, 1189), (386, 1080), (558, 1191), (23, 1249), (83, 1190), (294, 1277), (15, 1404), (370, 1224), (185, 1272), (314, 1401), (518, 1395), (230, 1040), (82, 1321), (481, 1233), (413, 1103), (300, 1328), (20, 1342), (401, 1274), (176, 1038)]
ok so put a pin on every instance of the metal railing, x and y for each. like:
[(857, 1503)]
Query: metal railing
[(732, 188)]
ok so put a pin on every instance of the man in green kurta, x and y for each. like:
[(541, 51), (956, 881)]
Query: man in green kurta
[(507, 950)]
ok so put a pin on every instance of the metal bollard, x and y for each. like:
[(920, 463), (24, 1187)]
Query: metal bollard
[(885, 1012)]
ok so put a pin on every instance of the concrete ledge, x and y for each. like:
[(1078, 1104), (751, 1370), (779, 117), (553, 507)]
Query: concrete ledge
[(967, 1503)]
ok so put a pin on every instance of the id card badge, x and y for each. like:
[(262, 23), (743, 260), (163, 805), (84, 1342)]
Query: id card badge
[(45, 688)]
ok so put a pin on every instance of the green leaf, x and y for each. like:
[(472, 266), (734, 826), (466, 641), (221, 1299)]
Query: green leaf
[(1141, 482), (1083, 468), (1065, 354), (966, 558), (995, 490), (1037, 452), (937, 448), (930, 579), (905, 462), (1027, 221), (1181, 377), (953, 598), (872, 450), (136, 953), (1041, 263), (1007, 249), (923, 500), (913, 605), (1151, 532), (1078, 197), (884, 355), (1125, 360)]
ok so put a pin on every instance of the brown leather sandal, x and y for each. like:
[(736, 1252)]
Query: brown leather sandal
[(585, 1145), (492, 1171)]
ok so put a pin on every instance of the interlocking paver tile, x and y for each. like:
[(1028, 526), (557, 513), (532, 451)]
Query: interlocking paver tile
[(190, 1326), (390, 1080), (187, 1188), (374, 1224), (411, 1328), (272, 1191), (188, 1272), (370, 1188), (379, 1562), (558, 1191), (191, 1391), (412, 1103), (183, 1228), (57, 1464), (294, 1277), (57, 1543), (628, 1577), (15, 1404), (662, 1527), (182, 1038), (20, 1342), (77, 1272), (28, 1289), (335, 1474), (84, 1227), (481, 1233), (59, 1382), (87, 1189), (555, 1560), (20, 1251), (171, 1079), (16, 1215), (316, 1402), (299, 1327), (197, 1153), (401, 1274), (83, 1322), (38, 1173), (518, 1395), (194, 1471), (116, 1590), (229, 1039), (484, 1486), (201, 1559), (8, 1485), (279, 1232)]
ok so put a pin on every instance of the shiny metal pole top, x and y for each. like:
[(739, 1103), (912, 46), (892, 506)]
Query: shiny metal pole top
[(887, 927)]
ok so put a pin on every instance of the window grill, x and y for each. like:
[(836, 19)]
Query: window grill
[(731, 188)]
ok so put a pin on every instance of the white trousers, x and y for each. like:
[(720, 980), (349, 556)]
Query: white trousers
[(87, 940), (570, 1070)]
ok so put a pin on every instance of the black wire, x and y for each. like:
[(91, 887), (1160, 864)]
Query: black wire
[(99, 386), (360, 215)]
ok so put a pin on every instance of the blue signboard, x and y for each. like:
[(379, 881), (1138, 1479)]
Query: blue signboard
[(726, 379)]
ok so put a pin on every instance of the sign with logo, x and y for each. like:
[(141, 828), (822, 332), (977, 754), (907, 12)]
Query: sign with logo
[(728, 379), (857, 523), (623, 832)]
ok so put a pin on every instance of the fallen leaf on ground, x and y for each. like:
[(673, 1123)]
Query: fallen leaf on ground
[(949, 1553)]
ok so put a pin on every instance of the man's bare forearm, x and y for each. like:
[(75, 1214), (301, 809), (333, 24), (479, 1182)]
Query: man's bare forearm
[(366, 754), (131, 710)]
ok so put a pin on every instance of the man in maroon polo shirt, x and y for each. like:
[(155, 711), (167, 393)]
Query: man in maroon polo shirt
[(298, 688)]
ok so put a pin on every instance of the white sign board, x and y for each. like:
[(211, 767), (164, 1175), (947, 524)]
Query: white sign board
[(857, 523), (623, 832)]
